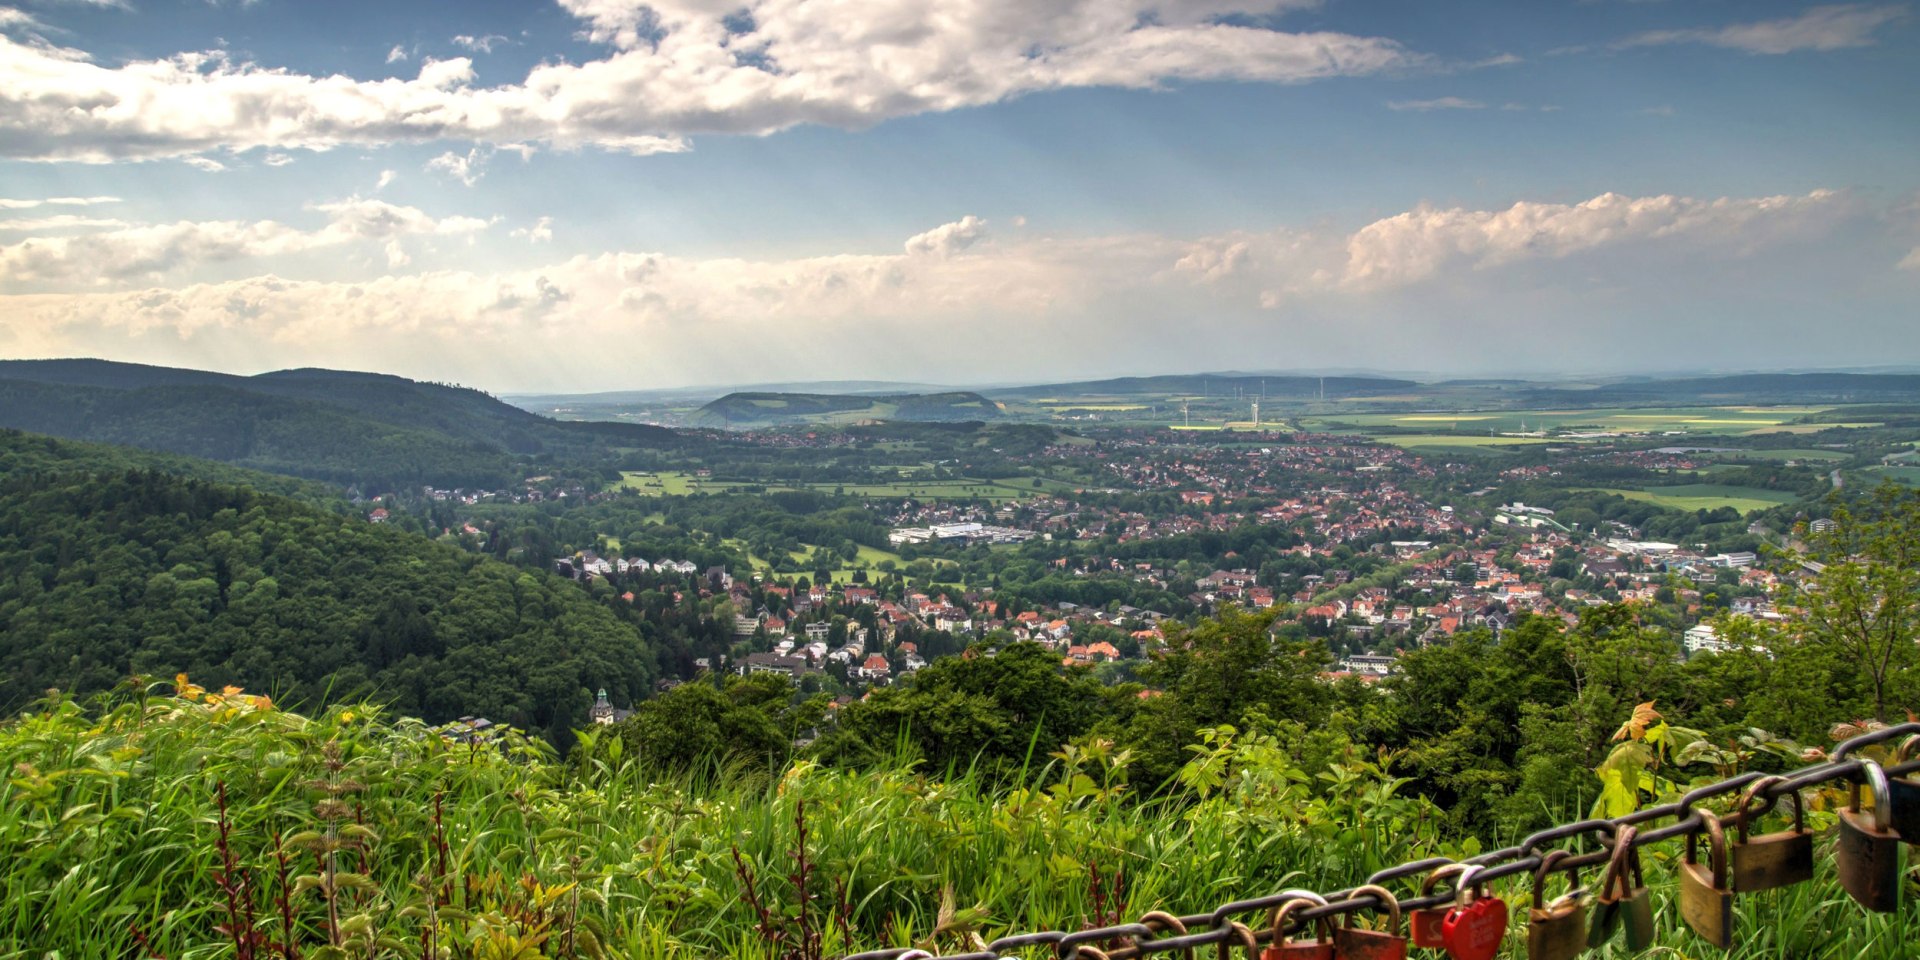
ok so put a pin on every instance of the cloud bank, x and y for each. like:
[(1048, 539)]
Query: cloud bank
[(1027, 294), (671, 69)]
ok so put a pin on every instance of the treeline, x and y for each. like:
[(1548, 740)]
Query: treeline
[(104, 574), (1502, 731)]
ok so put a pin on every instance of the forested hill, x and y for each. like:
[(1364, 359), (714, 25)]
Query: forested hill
[(759, 409), (29, 453), (376, 431), (1757, 387), (106, 574)]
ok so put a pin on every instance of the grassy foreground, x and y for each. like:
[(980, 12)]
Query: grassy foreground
[(214, 825)]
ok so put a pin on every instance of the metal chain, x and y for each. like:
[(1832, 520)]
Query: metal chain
[(1219, 927)]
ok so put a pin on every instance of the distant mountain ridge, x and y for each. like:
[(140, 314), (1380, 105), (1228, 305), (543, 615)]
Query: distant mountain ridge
[(367, 429), (760, 409), (1220, 385)]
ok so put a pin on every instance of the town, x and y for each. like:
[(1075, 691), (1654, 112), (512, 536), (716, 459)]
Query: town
[(1094, 542)]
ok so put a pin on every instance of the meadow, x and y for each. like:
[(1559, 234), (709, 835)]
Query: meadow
[(1907, 475), (672, 483), (1704, 496), (216, 825), (1654, 420)]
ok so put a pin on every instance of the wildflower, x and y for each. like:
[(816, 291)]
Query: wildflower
[(186, 690)]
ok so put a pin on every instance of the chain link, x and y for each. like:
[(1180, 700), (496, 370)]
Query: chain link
[(1219, 927)]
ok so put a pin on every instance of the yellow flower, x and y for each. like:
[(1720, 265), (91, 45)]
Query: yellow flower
[(346, 717), (188, 691)]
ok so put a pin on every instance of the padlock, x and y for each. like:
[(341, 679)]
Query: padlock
[(1624, 901), (1772, 860), (1357, 943), (1321, 948), (1706, 900), (1905, 793), (1556, 929), (1424, 924), (1477, 923), (1868, 851)]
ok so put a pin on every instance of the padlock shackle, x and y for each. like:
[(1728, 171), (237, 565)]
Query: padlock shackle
[(1876, 780), (1443, 871), (1156, 920), (1279, 919), (1548, 861), (1239, 931), (1386, 899), (1465, 890), (1747, 811), (1615, 884), (1717, 838)]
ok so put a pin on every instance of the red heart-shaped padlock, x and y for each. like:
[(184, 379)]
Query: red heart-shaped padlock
[(1473, 932)]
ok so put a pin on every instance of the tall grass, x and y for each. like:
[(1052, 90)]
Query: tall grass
[(400, 842)]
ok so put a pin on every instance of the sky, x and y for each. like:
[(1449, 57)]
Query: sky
[(585, 195)]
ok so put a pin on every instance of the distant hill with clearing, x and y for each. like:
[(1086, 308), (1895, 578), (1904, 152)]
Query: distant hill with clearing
[(739, 410)]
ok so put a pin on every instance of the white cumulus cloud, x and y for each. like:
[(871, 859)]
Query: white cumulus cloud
[(7, 203), (540, 232), (948, 238), (149, 251), (1442, 103), (670, 69), (1420, 243)]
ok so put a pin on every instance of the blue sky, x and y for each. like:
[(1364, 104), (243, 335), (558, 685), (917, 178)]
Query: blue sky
[(605, 194)]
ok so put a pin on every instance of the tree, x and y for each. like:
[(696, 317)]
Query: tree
[(1864, 604)]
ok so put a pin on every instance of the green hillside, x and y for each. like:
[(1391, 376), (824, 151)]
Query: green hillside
[(113, 572), (377, 431), (766, 409)]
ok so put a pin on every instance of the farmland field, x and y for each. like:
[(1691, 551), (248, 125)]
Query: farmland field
[(671, 483), (1704, 496), (1791, 453), (1907, 475), (1460, 441), (1654, 420)]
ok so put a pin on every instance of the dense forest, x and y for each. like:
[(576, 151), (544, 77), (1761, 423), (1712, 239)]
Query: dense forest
[(111, 572)]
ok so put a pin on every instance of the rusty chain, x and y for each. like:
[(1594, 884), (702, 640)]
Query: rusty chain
[(1219, 928)]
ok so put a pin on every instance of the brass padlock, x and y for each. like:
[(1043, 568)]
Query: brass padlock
[(1706, 900), (1772, 860), (1424, 925), (1868, 851), (1624, 901), (1556, 929), (1321, 948), (1357, 943)]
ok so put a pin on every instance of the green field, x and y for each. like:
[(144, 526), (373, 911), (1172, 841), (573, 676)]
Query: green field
[(1792, 453), (667, 483), (1704, 496), (1651, 420), (1464, 442), (1907, 475), (868, 559)]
